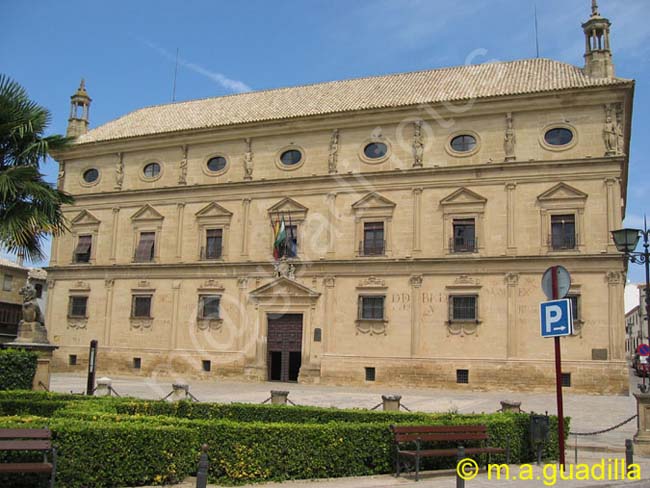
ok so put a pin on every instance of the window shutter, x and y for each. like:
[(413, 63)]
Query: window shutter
[(450, 303), (83, 245), (360, 308)]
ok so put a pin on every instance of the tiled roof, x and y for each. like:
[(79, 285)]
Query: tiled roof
[(398, 90)]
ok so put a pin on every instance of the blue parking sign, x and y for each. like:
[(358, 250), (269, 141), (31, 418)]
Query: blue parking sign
[(555, 318)]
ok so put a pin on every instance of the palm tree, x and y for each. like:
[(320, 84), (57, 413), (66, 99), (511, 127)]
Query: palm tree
[(30, 208)]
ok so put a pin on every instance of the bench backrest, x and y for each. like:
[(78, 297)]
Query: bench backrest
[(412, 433), (25, 439)]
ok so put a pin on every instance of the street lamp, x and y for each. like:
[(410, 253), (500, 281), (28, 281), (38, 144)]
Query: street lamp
[(626, 241)]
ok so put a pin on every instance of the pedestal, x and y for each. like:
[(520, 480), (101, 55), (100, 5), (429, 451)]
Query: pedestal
[(179, 392), (279, 397), (44, 351), (391, 403), (508, 406), (642, 437), (104, 386)]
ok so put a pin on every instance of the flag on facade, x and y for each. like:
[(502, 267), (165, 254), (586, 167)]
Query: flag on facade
[(279, 241)]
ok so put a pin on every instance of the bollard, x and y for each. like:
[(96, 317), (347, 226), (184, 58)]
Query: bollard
[(179, 392), (460, 482), (202, 472), (391, 403), (508, 406), (279, 397), (104, 387), (629, 454)]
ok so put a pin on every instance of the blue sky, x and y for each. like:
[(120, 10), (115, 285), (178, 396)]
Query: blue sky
[(126, 49)]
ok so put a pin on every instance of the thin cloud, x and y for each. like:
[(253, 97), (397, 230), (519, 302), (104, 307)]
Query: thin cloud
[(229, 84)]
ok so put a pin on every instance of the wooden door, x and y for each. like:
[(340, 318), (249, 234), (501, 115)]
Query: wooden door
[(284, 346)]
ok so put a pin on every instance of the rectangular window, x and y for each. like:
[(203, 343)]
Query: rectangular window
[(563, 232), (72, 360), (566, 380), (213, 243), (207, 365), (373, 239), (464, 239), (8, 283), (371, 308), (291, 248), (141, 306), (137, 363), (78, 307), (145, 250), (82, 251), (462, 376), (39, 290), (463, 308), (209, 307), (370, 374)]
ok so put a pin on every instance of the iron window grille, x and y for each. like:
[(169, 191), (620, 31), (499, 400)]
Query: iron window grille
[(141, 307), (463, 308), (137, 363), (373, 239), (462, 376), (464, 239), (82, 251), (209, 307), (78, 307), (145, 250), (370, 374), (371, 308), (566, 380), (213, 244), (563, 232)]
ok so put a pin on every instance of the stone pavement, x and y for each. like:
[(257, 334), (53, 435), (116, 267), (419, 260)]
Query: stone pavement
[(588, 413)]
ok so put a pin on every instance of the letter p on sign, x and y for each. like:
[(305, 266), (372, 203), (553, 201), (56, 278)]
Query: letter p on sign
[(555, 318)]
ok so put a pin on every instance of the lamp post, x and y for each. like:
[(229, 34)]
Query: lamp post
[(626, 241)]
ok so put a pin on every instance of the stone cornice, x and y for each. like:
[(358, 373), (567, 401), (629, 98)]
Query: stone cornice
[(586, 263)]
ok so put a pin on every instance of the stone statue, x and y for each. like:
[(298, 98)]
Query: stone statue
[(334, 149), (418, 144), (248, 160), (182, 177), (61, 176), (510, 140), (119, 172), (610, 133), (31, 329), (619, 128)]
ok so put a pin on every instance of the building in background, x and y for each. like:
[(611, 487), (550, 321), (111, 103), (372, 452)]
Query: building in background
[(636, 324), (14, 276), (391, 229)]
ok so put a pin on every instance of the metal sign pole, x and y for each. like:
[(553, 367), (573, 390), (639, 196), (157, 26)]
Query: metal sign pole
[(558, 377), (92, 356)]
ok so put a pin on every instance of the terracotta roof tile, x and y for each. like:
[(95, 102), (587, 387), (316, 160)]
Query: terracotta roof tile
[(398, 90)]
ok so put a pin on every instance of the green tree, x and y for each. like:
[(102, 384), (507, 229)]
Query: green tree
[(30, 208)]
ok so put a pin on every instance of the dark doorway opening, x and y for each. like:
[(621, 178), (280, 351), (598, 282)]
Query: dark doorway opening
[(284, 345)]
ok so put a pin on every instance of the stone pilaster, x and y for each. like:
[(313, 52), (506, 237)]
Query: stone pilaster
[(246, 205), (512, 283), (331, 223), (180, 208), (108, 310), (615, 283), (416, 319), (417, 220), (242, 283), (174, 330), (510, 212), (613, 221), (328, 338), (114, 229)]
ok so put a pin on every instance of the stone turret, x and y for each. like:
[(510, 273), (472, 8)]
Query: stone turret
[(598, 53), (79, 109)]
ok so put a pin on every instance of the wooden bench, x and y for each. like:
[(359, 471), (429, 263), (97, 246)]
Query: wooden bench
[(416, 435), (29, 440)]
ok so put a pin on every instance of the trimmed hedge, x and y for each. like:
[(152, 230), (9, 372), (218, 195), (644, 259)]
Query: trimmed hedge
[(17, 369), (108, 442), (108, 454)]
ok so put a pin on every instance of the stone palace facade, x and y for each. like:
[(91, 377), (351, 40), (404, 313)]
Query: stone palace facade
[(421, 208)]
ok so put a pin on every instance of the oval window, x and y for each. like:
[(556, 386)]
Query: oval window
[(559, 136), (463, 143), (291, 157), (91, 175), (151, 170), (375, 150), (216, 163)]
